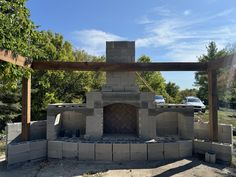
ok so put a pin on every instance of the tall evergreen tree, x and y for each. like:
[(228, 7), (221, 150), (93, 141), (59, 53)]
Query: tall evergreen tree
[(201, 76)]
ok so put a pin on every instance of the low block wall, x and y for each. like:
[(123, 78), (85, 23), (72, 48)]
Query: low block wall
[(225, 132), (121, 151), (26, 151), (37, 131), (223, 151)]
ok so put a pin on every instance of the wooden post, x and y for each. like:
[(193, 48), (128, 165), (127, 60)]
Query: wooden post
[(213, 106), (26, 108)]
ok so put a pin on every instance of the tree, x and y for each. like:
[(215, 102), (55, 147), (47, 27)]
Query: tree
[(19, 34), (16, 33), (154, 79), (172, 89), (201, 76)]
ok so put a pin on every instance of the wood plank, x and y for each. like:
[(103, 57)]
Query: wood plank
[(8, 56), (26, 108), (222, 62), (102, 66), (213, 106)]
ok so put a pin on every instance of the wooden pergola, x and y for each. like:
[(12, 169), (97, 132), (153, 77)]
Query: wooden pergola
[(210, 67)]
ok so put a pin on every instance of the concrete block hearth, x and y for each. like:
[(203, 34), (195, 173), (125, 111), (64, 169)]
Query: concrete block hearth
[(138, 152), (55, 149), (103, 152), (171, 150), (86, 151), (185, 148), (155, 151), (69, 150), (121, 152)]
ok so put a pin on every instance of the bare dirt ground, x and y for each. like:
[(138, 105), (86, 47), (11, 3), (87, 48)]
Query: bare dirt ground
[(73, 168)]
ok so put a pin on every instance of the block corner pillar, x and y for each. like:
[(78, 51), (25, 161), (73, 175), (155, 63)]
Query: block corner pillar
[(94, 125), (26, 108), (146, 124), (213, 105)]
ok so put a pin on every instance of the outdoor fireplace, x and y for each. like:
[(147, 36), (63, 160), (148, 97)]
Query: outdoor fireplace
[(119, 109), (120, 118)]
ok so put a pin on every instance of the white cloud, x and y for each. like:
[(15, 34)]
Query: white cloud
[(187, 12), (93, 41), (185, 37), (144, 20)]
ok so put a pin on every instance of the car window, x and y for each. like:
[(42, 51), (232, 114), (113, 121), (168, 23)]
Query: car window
[(158, 97), (193, 100)]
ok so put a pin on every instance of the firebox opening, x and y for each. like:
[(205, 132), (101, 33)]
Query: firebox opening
[(120, 118)]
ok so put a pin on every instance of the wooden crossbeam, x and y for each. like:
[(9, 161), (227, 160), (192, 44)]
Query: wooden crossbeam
[(102, 66), (222, 62), (18, 60)]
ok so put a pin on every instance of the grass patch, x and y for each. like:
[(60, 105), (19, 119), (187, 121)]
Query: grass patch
[(224, 116), (2, 148), (234, 161)]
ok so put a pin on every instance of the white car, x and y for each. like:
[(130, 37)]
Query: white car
[(159, 99), (195, 102)]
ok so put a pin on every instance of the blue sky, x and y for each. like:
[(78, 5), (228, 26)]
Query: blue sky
[(165, 30)]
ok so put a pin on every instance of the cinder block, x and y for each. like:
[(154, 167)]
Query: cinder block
[(103, 152), (227, 128), (171, 150), (155, 151), (13, 131), (138, 152), (38, 130), (18, 148), (147, 96), (86, 151), (223, 151), (94, 126), (55, 149), (69, 149), (17, 153), (53, 126), (185, 148), (121, 152), (91, 97), (201, 146), (38, 149), (18, 158)]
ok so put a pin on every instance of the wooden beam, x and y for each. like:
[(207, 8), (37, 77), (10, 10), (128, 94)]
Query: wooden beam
[(102, 66), (222, 62), (26, 108), (213, 106), (18, 60)]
